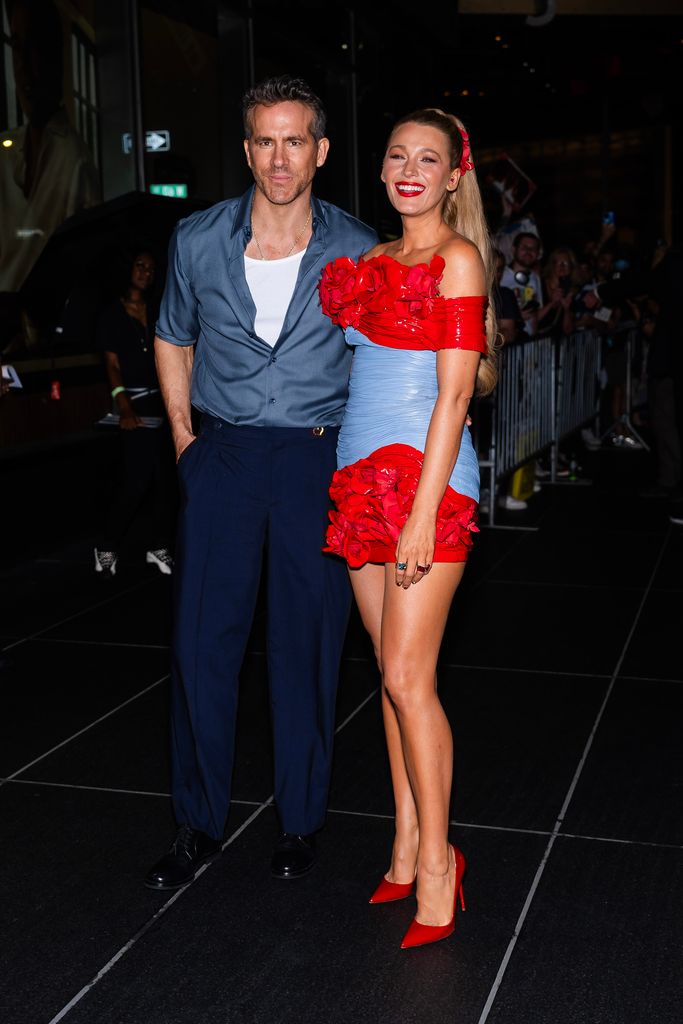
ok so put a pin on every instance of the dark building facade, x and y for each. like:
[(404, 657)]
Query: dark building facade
[(145, 126)]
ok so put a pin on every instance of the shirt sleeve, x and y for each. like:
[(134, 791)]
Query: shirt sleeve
[(178, 322)]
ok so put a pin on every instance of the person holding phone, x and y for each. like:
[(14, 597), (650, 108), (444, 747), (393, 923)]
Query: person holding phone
[(558, 280)]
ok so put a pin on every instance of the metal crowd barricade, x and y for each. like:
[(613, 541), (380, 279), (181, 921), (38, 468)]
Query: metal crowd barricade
[(523, 415), (577, 386), (547, 388), (624, 423)]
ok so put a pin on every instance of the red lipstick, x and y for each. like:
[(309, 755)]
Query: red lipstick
[(409, 188)]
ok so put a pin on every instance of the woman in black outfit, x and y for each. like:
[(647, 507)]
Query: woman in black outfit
[(146, 491)]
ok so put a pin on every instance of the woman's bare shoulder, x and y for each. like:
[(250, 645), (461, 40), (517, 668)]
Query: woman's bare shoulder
[(377, 250), (464, 273), (460, 250)]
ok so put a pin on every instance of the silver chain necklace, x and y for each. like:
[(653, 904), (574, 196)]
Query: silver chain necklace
[(294, 243)]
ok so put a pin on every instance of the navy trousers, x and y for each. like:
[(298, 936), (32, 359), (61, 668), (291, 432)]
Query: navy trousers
[(245, 492)]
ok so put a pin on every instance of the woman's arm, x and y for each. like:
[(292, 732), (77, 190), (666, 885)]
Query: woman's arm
[(456, 374), (128, 418)]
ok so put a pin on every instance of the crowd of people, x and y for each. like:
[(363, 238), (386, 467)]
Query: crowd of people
[(604, 287)]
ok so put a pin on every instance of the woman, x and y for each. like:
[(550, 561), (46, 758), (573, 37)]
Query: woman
[(125, 335), (559, 288), (417, 311), (506, 307)]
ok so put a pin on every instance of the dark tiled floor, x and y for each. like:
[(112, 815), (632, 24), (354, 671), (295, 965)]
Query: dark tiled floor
[(563, 679)]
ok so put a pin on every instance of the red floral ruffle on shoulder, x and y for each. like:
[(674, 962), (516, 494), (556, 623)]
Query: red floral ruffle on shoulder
[(374, 497), (399, 306)]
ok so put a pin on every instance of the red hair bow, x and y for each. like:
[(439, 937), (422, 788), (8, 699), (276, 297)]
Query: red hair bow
[(465, 162)]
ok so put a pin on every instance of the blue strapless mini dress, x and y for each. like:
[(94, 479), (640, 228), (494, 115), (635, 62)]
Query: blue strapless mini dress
[(392, 392)]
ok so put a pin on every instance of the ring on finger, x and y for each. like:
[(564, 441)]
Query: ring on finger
[(401, 566), (424, 568)]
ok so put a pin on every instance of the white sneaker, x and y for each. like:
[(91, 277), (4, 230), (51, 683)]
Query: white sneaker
[(105, 561), (512, 504), (589, 439), (162, 559), (626, 441)]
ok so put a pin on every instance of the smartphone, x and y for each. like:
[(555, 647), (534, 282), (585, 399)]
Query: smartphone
[(608, 217)]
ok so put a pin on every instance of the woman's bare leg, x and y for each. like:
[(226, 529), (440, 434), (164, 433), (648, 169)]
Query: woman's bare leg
[(413, 622), (368, 587)]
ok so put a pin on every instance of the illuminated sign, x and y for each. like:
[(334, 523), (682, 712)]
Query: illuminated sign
[(173, 191), (158, 141)]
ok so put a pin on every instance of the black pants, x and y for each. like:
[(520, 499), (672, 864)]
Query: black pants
[(250, 494), (145, 494)]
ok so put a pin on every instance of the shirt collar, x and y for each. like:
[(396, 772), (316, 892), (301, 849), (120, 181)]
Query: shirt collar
[(242, 221)]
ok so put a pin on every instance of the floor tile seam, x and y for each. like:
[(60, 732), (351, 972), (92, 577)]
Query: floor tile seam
[(538, 671), (109, 789), (566, 803), (76, 615), (99, 643), (358, 814), (478, 826), (153, 920), (20, 771), (452, 821), (621, 842), (86, 728), (650, 679), (505, 668), (359, 708), (166, 906)]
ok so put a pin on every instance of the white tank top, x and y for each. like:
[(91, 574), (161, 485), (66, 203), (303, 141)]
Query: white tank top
[(271, 283)]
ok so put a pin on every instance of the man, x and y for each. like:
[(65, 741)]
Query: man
[(242, 340), (522, 277)]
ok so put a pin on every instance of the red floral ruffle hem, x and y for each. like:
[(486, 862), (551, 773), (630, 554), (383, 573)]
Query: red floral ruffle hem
[(374, 496)]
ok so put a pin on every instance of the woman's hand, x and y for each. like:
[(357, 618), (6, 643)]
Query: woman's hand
[(129, 421), (415, 550)]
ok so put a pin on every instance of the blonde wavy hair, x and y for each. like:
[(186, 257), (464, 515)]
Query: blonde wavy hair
[(463, 211)]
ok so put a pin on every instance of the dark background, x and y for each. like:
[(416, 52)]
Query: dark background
[(588, 105)]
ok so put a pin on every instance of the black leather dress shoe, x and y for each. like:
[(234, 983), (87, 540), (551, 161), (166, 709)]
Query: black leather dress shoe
[(191, 848), (293, 856)]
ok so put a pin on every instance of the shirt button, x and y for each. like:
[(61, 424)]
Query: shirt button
[(272, 401)]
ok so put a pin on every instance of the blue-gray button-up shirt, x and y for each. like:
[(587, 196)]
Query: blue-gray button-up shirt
[(302, 380)]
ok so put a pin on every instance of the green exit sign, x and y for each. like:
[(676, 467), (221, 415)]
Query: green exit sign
[(173, 191)]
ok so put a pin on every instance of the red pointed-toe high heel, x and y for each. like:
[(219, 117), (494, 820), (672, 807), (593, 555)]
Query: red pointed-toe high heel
[(422, 934), (387, 892)]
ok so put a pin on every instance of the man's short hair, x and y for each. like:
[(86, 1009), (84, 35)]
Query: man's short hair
[(525, 234), (284, 89)]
